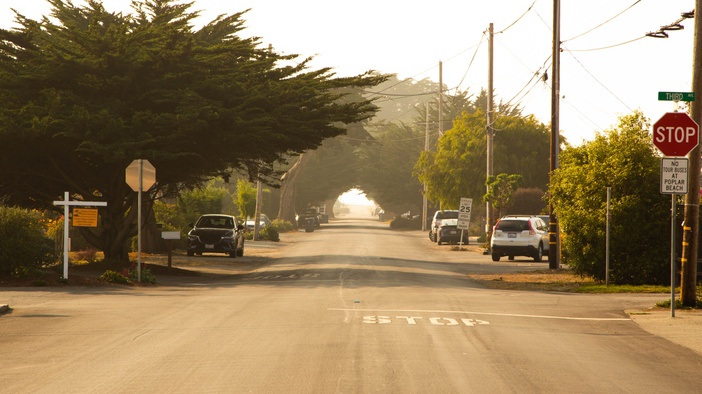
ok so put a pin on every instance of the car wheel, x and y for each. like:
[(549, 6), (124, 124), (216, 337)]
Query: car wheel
[(539, 253), (510, 258), (232, 254), (495, 257)]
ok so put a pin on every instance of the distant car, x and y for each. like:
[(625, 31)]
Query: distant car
[(262, 222), (216, 234), (516, 235), (309, 213), (448, 232), (438, 216)]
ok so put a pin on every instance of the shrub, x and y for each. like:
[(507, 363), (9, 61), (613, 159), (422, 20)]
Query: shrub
[(146, 276), (282, 226), (114, 277), (401, 222), (269, 233), (24, 247)]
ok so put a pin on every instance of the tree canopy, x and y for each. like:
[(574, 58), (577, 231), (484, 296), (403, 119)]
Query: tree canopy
[(86, 91), (624, 159), (458, 166)]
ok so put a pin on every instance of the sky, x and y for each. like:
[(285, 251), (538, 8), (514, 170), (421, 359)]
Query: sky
[(409, 38)]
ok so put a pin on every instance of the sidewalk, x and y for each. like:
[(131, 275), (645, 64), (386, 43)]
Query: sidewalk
[(684, 329)]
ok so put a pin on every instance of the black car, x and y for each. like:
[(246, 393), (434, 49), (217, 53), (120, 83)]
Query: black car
[(216, 234), (448, 232), (436, 220), (309, 213)]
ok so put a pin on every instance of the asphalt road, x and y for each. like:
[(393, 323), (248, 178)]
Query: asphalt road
[(350, 308)]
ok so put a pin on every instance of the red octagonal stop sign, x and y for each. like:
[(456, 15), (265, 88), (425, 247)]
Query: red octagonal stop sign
[(676, 134)]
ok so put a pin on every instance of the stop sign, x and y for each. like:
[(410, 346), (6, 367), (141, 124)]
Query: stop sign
[(676, 134)]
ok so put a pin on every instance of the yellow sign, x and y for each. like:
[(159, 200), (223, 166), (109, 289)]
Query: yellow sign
[(85, 217)]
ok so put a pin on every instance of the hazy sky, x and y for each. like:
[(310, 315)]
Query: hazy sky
[(409, 38)]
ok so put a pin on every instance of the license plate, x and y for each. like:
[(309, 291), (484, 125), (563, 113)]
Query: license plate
[(511, 235), (454, 232), (209, 246)]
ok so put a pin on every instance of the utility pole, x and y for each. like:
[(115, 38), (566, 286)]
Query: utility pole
[(441, 101), (426, 149), (553, 236), (691, 229), (490, 133)]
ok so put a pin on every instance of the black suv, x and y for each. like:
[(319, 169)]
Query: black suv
[(216, 234)]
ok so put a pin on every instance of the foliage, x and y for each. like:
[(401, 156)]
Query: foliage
[(114, 277), (501, 191), (85, 91), (199, 201), (24, 247), (269, 233), (88, 255), (387, 165), (245, 198), (624, 159), (405, 223), (282, 226), (527, 201), (146, 276), (458, 166)]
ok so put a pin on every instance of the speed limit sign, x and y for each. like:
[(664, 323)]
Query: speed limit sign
[(464, 209)]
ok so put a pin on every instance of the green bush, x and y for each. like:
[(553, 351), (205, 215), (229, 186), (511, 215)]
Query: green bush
[(114, 277), (24, 246), (281, 226), (269, 233)]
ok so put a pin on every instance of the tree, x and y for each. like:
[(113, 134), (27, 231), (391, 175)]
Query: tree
[(85, 92), (458, 167), (624, 159), (387, 165), (245, 198), (501, 190)]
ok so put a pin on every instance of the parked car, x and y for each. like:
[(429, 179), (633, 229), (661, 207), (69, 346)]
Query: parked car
[(309, 213), (262, 222), (448, 232), (516, 235), (216, 234), (438, 216)]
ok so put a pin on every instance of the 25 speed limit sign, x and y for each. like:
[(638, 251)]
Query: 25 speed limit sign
[(464, 209)]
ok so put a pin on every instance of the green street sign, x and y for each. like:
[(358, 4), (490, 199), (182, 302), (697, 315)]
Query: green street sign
[(676, 96)]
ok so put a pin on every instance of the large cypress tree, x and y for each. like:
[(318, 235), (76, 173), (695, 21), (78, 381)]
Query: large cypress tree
[(86, 91)]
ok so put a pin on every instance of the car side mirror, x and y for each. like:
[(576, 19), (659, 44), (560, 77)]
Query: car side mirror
[(239, 226)]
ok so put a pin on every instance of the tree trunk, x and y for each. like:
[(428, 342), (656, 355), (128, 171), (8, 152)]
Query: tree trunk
[(287, 189), (151, 240)]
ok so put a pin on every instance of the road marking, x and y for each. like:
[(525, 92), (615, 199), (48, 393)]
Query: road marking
[(291, 276), (413, 320), (486, 314)]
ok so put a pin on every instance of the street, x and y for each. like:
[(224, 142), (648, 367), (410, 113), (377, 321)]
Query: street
[(353, 307)]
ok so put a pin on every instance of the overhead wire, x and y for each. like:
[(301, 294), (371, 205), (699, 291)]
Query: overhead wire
[(603, 23)]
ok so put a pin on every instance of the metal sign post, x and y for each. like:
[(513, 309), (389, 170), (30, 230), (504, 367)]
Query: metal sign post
[(66, 203), (140, 175), (464, 210), (674, 180)]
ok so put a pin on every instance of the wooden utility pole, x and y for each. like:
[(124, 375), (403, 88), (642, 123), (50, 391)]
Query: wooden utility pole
[(490, 133), (425, 203), (691, 226), (553, 237)]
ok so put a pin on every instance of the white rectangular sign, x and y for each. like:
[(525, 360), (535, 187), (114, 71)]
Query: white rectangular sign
[(464, 213), (674, 175)]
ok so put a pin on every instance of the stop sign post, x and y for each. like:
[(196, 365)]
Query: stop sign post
[(676, 134), (140, 175)]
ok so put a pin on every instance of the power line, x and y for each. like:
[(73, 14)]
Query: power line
[(603, 23), (518, 19)]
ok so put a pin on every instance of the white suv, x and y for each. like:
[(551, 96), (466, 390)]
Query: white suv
[(519, 235)]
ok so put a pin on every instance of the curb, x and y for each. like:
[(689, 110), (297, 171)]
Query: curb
[(4, 308)]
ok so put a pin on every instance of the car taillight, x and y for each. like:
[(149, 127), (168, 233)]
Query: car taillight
[(494, 228), (531, 228)]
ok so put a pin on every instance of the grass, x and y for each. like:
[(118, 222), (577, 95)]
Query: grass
[(560, 280)]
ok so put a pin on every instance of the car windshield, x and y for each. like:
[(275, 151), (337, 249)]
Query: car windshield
[(215, 222), (512, 225)]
